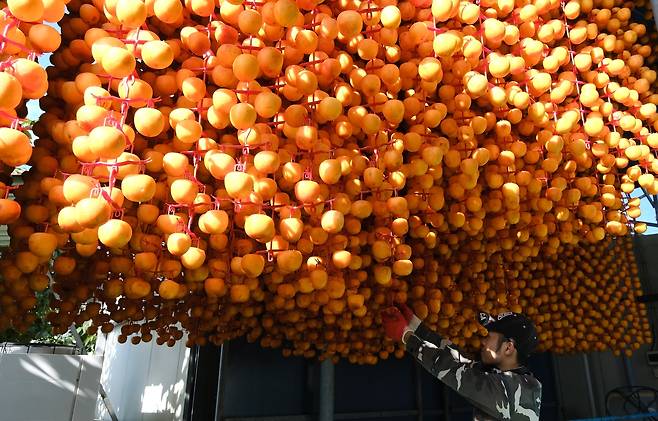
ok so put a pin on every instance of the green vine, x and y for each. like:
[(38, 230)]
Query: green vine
[(41, 330)]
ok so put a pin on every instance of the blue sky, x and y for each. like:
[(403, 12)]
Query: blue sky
[(648, 212), (33, 109)]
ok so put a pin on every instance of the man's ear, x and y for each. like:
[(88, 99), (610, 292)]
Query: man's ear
[(510, 348)]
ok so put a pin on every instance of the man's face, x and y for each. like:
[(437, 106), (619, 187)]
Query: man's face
[(491, 352)]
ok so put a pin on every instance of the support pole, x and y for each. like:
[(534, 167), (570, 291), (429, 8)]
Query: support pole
[(219, 400), (446, 402), (326, 391), (558, 383), (101, 389), (419, 391), (628, 370), (590, 390), (654, 6)]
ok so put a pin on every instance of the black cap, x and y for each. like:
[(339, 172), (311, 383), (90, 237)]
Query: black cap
[(513, 326)]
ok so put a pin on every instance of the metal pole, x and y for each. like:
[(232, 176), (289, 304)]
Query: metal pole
[(446, 403), (558, 386), (590, 390), (219, 400), (419, 391), (326, 391), (628, 369), (190, 383), (101, 389), (192, 399), (654, 6)]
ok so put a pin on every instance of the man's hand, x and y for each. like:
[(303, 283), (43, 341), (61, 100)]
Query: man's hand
[(406, 311), (394, 323), (412, 320)]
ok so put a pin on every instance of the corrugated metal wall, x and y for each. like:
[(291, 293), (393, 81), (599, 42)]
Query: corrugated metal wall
[(260, 384)]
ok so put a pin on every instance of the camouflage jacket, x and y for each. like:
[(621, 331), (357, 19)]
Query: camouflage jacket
[(496, 395)]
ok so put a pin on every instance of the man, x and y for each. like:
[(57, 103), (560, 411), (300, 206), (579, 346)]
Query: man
[(500, 387)]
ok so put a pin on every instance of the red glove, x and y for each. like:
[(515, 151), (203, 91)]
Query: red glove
[(394, 323), (406, 311), (422, 3)]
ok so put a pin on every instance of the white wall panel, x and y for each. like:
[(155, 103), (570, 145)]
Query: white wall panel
[(144, 382), (40, 387)]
